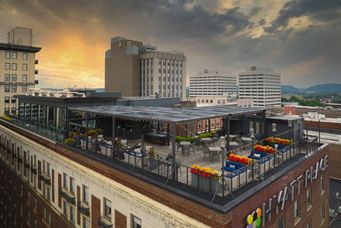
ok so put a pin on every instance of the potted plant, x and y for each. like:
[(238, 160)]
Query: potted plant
[(70, 141)]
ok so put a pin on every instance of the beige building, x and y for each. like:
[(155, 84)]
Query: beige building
[(139, 70), (121, 67), (17, 71)]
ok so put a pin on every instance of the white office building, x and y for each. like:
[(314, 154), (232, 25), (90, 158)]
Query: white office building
[(262, 85), (213, 83), (162, 74)]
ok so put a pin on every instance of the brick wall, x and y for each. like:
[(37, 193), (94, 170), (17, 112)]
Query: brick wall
[(334, 152), (323, 125), (239, 214), (17, 203), (120, 219), (95, 211)]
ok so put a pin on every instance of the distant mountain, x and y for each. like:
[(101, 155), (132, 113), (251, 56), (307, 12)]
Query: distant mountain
[(330, 88), (289, 89)]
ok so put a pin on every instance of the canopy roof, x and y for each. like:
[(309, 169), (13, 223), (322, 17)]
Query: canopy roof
[(165, 114)]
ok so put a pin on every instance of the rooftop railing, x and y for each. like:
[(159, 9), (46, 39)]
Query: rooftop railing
[(221, 184)]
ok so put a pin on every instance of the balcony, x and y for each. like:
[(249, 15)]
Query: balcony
[(46, 178), (34, 169), (68, 196), (105, 222), (84, 208)]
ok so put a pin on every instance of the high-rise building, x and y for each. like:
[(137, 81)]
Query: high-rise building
[(122, 67), (139, 70), (162, 73), (17, 71), (262, 85), (213, 83)]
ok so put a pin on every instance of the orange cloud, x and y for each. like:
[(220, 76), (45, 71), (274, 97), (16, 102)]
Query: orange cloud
[(69, 59)]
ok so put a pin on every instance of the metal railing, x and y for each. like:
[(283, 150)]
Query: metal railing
[(222, 185)]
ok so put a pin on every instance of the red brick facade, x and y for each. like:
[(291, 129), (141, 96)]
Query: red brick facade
[(234, 218), (22, 206), (239, 214)]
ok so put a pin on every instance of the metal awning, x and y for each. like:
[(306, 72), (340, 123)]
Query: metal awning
[(166, 114)]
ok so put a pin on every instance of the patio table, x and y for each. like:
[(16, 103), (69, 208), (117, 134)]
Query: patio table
[(214, 150)]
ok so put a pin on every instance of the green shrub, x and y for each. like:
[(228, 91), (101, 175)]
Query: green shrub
[(205, 135), (7, 118), (184, 138), (69, 141)]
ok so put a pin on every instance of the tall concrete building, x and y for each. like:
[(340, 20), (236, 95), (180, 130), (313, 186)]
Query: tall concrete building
[(140, 70), (212, 83), (122, 67), (17, 71), (262, 85)]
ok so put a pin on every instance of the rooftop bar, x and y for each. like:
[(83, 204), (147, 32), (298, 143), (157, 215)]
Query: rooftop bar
[(217, 151)]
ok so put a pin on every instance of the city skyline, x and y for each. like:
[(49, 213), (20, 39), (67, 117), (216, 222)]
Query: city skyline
[(299, 39)]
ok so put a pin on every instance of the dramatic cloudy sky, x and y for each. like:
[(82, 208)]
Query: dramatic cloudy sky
[(301, 39)]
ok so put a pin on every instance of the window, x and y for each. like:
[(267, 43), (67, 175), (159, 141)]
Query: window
[(24, 56), (47, 217), (14, 55), (296, 209), (24, 88), (13, 88), (85, 194), (309, 198), (28, 198), (72, 214), (72, 185), (135, 222), (34, 206), (65, 180), (14, 66), (7, 99), (85, 222), (24, 67), (14, 77), (7, 77), (28, 218), (107, 208), (65, 208), (7, 66), (309, 225), (24, 77), (8, 55)]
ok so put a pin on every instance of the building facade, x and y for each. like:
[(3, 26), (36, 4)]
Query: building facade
[(140, 70), (121, 67), (162, 74), (17, 71), (213, 83), (262, 85)]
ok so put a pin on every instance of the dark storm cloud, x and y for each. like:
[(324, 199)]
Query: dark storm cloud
[(210, 39), (322, 10)]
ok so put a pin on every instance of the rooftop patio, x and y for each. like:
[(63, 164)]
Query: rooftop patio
[(146, 139)]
